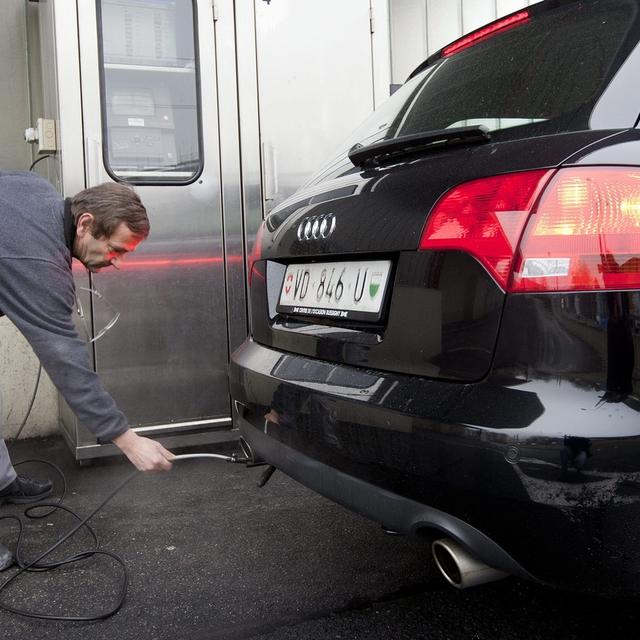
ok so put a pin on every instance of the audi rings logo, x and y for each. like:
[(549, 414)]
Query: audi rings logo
[(316, 227)]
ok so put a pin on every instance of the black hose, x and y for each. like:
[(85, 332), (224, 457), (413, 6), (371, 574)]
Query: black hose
[(35, 162), (38, 566), (33, 399)]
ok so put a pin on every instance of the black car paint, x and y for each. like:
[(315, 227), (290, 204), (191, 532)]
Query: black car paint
[(520, 440), (547, 447), (387, 213)]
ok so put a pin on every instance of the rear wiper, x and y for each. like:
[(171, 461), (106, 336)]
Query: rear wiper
[(386, 150)]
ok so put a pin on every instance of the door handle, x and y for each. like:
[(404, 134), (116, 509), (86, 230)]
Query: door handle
[(270, 169), (93, 161)]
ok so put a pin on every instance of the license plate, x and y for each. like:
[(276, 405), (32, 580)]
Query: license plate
[(340, 290)]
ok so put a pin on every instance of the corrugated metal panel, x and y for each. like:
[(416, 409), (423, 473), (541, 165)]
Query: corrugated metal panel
[(475, 13), (444, 23), (310, 101), (408, 27)]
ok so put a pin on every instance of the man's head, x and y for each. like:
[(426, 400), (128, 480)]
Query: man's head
[(110, 222)]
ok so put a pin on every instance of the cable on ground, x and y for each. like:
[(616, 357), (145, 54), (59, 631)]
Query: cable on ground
[(37, 565)]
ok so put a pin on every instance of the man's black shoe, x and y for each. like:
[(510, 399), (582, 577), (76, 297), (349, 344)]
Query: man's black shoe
[(25, 490)]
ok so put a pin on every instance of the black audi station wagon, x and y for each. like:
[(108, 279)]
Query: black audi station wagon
[(445, 321)]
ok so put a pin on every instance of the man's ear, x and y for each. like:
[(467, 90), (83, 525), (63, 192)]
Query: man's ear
[(84, 224)]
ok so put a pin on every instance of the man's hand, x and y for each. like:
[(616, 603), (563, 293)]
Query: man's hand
[(144, 454)]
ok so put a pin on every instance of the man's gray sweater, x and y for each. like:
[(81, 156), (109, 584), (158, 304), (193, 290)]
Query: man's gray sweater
[(37, 294)]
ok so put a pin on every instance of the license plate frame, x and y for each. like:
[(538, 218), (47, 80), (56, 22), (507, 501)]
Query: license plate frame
[(349, 290)]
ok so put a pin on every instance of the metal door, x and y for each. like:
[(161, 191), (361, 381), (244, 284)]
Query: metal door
[(150, 117), (318, 78)]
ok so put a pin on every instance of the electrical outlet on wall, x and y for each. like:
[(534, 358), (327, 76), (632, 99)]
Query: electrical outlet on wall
[(46, 135), (43, 134)]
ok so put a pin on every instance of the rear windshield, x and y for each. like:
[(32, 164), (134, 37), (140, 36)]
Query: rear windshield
[(538, 78), (550, 68)]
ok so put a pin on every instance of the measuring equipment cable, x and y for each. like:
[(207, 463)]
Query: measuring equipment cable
[(38, 565)]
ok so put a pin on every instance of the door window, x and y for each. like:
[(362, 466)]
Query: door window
[(150, 97)]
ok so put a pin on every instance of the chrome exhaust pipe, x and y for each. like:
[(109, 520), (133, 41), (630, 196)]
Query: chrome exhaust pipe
[(460, 568)]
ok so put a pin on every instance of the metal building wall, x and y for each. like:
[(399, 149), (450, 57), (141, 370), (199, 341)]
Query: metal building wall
[(14, 153), (421, 27)]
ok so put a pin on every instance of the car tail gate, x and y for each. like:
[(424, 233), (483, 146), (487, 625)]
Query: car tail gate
[(462, 190)]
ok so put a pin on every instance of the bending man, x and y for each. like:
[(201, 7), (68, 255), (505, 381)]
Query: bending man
[(40, 234)]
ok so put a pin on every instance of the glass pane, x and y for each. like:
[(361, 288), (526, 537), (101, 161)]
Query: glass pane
[(545, 75), (150, 96)]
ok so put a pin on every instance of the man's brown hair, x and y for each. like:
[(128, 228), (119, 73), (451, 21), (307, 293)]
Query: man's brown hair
[(111, 204)]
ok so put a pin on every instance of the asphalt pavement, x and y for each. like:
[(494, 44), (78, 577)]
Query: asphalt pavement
[(211, 556)]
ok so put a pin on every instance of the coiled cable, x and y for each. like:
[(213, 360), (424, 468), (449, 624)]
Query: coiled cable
[(38, 564)]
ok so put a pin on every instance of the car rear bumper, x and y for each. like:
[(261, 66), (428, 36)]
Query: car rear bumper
[(395, 513), (496, 465)]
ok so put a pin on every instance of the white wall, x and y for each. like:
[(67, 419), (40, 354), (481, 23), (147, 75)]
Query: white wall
[(18, 375)]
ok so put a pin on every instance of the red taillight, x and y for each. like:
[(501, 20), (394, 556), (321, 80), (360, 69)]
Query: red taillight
[(486, 32), (485, 218), (584, 233)]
